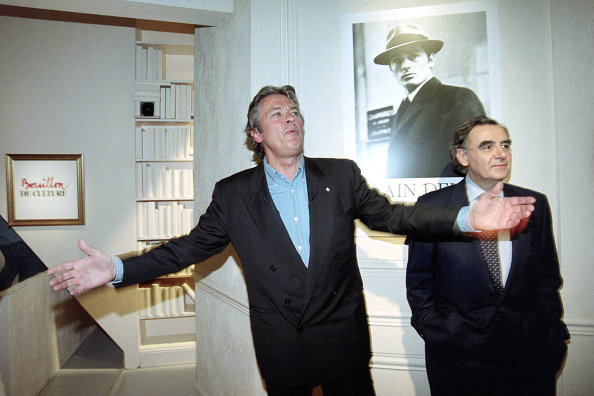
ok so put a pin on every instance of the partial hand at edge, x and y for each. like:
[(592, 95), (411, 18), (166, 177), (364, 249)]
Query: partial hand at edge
[(94, 270), (491, 212)]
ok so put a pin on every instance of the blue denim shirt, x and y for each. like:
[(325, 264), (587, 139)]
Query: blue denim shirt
[(291, 201)]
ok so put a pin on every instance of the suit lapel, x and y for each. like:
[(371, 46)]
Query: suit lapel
[(321, 205), (268, 221), (404, 118), (521, 243)]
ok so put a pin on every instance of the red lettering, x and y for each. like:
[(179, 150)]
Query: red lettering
[(45, 184)]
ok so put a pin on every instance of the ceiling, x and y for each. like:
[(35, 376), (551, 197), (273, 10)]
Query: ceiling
[(180, 16)]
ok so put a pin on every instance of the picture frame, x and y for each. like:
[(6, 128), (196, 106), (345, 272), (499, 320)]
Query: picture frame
[(469, 59), (45, 189)]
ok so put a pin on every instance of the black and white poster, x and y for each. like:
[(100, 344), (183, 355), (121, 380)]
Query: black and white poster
[(411, 76)]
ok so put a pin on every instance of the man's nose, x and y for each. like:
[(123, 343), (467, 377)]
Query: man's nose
[(501, 152)]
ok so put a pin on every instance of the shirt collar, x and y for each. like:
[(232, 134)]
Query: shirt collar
[(273, 174), (473, 190), (414, 93)]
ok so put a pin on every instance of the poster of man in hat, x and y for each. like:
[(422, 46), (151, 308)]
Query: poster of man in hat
[(418, 73)]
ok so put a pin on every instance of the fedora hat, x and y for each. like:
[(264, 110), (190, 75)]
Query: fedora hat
[(403, 36)]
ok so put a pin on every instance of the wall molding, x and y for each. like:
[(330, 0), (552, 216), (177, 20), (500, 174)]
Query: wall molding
[(289, 42), (223, 294), (580, 328), (385, 361)]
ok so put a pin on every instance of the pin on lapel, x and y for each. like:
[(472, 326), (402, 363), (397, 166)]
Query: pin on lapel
[(328, 189)]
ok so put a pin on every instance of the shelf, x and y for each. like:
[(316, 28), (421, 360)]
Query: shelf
[(163, 102), (165, 199), (169, 48), (157, 333), (155, 239), (185, 315), (164, 82), (164, 160), (163, 120), (164, 62), (177, 277)]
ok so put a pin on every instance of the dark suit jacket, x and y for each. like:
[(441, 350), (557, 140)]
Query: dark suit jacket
[(309, 325), (421, 136), (454, 304)]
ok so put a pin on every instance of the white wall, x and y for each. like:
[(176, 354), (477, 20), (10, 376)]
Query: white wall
[(68, 88), (573, 55), (545, 48), (225, 361)]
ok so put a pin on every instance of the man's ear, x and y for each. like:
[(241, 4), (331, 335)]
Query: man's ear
[(431, 60), (256, 135), (461, 156)]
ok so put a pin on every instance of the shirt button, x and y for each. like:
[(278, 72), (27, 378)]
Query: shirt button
[(296, 219)]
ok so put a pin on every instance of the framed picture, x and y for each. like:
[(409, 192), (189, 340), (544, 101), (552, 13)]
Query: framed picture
[(404, 149), (45, 189)]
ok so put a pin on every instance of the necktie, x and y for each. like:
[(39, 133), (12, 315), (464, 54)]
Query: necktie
[(402, 109), (490, 249)]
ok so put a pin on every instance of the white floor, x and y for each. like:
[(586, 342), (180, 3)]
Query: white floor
[(96, 369)]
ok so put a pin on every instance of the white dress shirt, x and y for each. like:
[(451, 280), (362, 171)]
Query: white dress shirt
[(505, 246)]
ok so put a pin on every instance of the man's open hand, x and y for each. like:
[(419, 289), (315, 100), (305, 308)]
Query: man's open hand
[(491, 212), (89, 272)]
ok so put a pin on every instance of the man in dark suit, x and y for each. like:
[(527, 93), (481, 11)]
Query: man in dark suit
[(430, 111), (16, 257), (488, 332), (290, 220)]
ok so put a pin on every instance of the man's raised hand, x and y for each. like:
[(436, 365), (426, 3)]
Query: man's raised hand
[(491, 212)]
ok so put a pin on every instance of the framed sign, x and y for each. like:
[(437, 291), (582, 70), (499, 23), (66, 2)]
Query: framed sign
[(45, 189)]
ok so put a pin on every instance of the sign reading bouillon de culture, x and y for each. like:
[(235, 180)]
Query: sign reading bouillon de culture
[(45, 189)]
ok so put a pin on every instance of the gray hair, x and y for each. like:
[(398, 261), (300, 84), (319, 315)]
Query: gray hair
[(253, 115), (461, 138)]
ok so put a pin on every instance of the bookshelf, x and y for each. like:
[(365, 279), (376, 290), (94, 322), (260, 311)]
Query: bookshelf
[(163, 114), (163, 111)]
